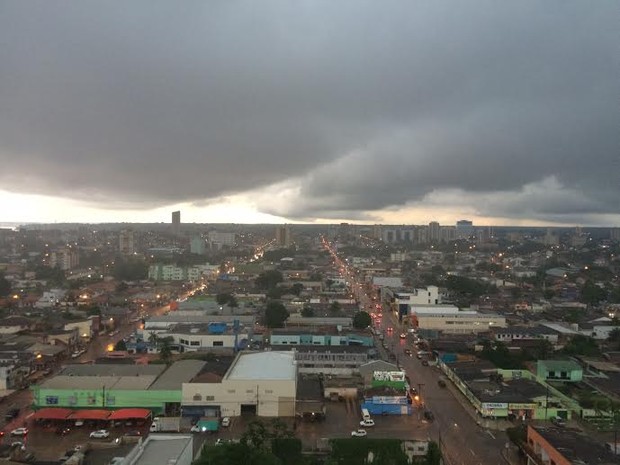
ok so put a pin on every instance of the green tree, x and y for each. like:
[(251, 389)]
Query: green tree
[(256, 435), (433, 454), (120, 346), (582, 345), (5, 286), (130, 269), (288, 450), (275, 314), (592, 294), (268, 279), (307, 312), (334, 308), (297, 288), (614, 338), (233, 302), (362, 320), (165, 351), (223, 298)]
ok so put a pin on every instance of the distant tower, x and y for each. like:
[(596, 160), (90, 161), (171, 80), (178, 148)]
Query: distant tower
[(434, 231), (464, 229), (198, 245), (126, 242), (176, 223), (283, 235)]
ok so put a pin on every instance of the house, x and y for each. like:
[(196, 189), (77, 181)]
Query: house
[(559, 370), (520, 333)]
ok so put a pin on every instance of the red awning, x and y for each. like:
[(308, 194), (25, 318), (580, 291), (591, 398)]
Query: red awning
[(52, 414), (130, 414), (93, 414)]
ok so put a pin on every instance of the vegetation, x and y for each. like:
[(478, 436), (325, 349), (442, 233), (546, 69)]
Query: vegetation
[(268, 279), (334, 308), (307, 312), (433, 455), (354, 451), (498, 354), (165, 351), (467, 290), (592, 294), (130, 269), (582, 345), (275, 314), (362, 320), (120, 346)]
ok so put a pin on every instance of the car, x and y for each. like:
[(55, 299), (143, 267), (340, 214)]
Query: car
[(62, 431), (100, 434), (226, 422), (79, 423), (359, 433), (428, 415), (557, 421), (408, 352), (403, 336), (133, 433), (419, 356), (441, 383), (19, 432), (367, 423), (390, 329), (425, 363)]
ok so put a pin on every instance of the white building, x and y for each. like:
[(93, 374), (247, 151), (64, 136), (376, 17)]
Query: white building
[(387, 281), (428, 296), (160, 272), (452, 320), (126, 242), (219, 239), (161, 449), (198, 245), (192, 338), (50, 298), (261, 383)]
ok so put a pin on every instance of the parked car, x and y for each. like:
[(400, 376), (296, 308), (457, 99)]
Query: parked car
[(79, 423), (62, 431), (100, 434), (442, 383), (408, 352), (424, 363), (11, 414), (133, 433), (19, 432), (403, 336), (428, 415), (360, 433), (226, 422), (367, 423), (557, 421)]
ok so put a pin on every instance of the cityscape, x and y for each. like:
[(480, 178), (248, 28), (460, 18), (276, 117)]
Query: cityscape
[(309, 232)]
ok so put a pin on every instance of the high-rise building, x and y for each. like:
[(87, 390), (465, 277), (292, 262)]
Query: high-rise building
[(434, 231), (65, 258), (176, 223), (283, 235), (126, 242), (464, 229), (198, 245)]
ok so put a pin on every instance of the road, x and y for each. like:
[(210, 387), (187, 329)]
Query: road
[(462, 440)]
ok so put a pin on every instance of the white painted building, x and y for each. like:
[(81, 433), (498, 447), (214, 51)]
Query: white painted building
[(428, 296), (264, 383), (453, 321)]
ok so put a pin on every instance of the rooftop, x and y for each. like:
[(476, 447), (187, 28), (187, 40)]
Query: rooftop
[(112, 370), (273, 365), (160, 449), (309, 387), (180, 372), (126, 383)]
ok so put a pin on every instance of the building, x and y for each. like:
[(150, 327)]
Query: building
[(283, 236), (213, 335), (219, 239), (320, 337), (126, 242), (562, 446), (198, 245), (176, 223), (567, 371), (259, 383), (65, 258), (162, 449), (451, 320), (464, 229), (161, 272), (113, 386), (329, 360), (434, 231)]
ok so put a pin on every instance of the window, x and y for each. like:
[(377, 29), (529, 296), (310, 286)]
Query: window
[(218, 343), (231, 391), (249, 391), (268, 391), (72, 400), (209, 397), (195, 343), (197, 397), (110, 400), (51, 400), (92, 400)]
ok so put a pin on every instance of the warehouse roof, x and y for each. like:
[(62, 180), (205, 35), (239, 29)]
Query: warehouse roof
[(263, 365), (128, 383), (112, 370), (180, 372), (160, 449)]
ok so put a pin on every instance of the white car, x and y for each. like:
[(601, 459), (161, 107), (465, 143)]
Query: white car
[(100, 434), (360, 433), (367, 423), (226, 422), (19, 432)]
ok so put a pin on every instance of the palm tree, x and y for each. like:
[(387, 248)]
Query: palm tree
[(153, 337), (165, 352)]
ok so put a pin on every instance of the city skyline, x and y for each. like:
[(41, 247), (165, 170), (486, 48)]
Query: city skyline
[(402, 112)]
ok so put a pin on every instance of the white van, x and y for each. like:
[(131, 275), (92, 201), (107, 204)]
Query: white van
[(365, 414)]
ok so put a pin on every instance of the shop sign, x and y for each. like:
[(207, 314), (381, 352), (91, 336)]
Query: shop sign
[(521, 406), (389, 375), (494, 405)]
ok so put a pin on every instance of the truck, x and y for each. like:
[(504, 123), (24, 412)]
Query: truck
[(206, 425), (162, 424)]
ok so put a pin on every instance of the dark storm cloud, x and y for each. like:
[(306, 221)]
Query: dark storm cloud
[(361, 105)]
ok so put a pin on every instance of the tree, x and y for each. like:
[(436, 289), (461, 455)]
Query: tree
[(297, 288), (223, 298), (288, 450), (5, 286), (433, 454), (232, 302), (153, 338), (329, 283), (122, 286), (307, 312), (614, 338), (582, 345), (130, 269), (275, 315), (120, 346), (334, 307), (362, 320), (268, 279), (592, 294), (165, 351)]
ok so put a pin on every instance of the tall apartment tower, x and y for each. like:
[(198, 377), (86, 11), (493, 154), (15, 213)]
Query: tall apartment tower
[(176, 223), (283, 235), (434, 231), (126, 242)]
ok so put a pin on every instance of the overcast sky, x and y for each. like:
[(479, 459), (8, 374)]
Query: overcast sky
[(248, 111)]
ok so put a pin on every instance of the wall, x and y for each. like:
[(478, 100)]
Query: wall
[(544, 449)]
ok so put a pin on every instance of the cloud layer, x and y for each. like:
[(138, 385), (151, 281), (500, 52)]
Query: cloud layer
[(315, 109)]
